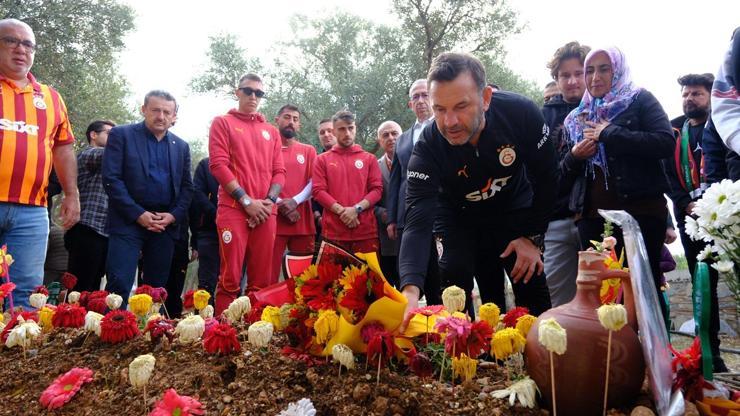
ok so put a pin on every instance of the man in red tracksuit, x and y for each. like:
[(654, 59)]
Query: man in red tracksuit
[(347, 183), (295, 225), (247, 163)]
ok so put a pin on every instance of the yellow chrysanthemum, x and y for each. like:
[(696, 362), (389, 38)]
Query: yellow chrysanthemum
[(464, 367), (506, 342), (45, 316), (140, 304), (310, 273), (453, 298), (524, 324), (271, 314), (200, 299), (613, 316), (285, 314), (490, 313), (326, 326)]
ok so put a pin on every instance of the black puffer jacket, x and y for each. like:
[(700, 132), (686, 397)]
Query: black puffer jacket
[(555, 112), (635, 142)]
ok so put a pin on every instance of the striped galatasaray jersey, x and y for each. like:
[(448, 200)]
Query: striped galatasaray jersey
[(32, 121)]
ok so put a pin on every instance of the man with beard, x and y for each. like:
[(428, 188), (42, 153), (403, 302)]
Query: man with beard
[(487, 171), (348, 184), (687, 181), (295, 226), (562, 242)]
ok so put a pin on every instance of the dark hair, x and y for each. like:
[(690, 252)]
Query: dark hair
[(568, 51), (97, 126), (694, 80), (343, 115), (494, 86), (250, 76), (324, 120), (551, 84), (449, 65), (161, 94), (288, 107)]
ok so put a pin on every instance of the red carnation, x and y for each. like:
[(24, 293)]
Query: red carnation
[(255, 314), (187, 302), (160, 327), (144, 289), (5, 289), (41, 289), (118, 326), (221, 339), (69, 316), (369, 330), (64, 387), (159, 295), (380, 347), (26, 315), (174, 404), (421, 365), (95, 301), (511, 316), (479, 339), (68, 280)]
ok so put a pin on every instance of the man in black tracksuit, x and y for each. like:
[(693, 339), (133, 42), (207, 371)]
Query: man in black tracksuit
[(469, 172)]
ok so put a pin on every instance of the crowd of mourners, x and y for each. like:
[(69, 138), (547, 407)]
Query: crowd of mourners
[(484, 186)]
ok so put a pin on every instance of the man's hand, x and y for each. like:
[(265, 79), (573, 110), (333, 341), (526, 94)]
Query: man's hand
[(165, 219), (392, 231), (584, 149), (690, 208), (594, 133), (70, 210), (670, 235), (412, 294), (193, 255), (349, 217), (258, 212), (286, 205), (293, 216), (528, 259), (148, 220)]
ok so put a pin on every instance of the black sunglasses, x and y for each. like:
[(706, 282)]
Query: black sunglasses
[(249, 91)]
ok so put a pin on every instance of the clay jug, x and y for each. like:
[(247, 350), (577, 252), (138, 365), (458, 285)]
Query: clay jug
[(580, 372)]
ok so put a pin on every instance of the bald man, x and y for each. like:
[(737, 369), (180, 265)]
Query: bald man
[(388, 134)]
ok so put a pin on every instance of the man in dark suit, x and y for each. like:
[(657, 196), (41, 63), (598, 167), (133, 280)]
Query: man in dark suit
[(146, 173), (421, 105), (388, 133)]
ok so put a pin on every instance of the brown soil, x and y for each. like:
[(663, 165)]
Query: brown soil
[(250, 383)]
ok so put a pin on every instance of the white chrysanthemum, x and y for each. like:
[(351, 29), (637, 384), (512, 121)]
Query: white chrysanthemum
[(92, 322), (612, 316), (343, 355), (38, 300), (259, 333), (303, 407), (73, 296), (113, 301), (525, 390), (552, 336), (140, 370), (206, 312), (453, 298), (724, 266), (705, 253), (23, 334), (238, 308), (190, 329)]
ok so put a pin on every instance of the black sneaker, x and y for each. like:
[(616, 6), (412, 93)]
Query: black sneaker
[(719, 366)]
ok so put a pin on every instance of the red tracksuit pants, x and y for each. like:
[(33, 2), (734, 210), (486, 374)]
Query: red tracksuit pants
[(296, 244), (239, 243)]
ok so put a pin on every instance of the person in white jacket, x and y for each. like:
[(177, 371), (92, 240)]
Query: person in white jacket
[(725, 98)]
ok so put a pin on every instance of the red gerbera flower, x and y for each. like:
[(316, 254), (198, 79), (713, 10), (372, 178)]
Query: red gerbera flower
[(69, 316), (173, 404), (68, 280), (365, 289), (369, 330), (511, 316), (26, 315), (318, 293), (479, 339), (429, 310), (6, 288), (421, 365), (187, 302), (159, 295), (255, 314), (64, 387), (221, 339), (118, 326), (144, 289), (687, 366), (380, 347), (300, 354), (160, 327), (41, 289)]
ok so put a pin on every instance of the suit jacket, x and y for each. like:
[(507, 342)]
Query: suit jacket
[(126, 177), (388, 247), (396, 203)]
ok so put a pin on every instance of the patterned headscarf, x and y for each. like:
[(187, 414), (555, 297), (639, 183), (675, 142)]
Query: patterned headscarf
[(620, 96)]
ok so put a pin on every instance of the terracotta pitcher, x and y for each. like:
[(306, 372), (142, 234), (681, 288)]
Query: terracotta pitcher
[(580, 372)]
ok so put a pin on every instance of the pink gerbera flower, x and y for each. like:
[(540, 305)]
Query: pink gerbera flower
[(172, 404), (429, 310), (64, 388)]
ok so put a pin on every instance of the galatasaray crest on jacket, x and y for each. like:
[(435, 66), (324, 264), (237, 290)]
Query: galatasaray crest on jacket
[(359, 164), (506, 156), (301, 159), (226, 236), (38, 102), (265, 134)]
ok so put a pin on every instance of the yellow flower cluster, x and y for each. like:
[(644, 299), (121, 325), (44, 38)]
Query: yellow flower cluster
[(326, 326), (506, 342), (490, 313), (200, 299), (464, 367), (271, 314), (45, 316), (524, 324), (140, 304)]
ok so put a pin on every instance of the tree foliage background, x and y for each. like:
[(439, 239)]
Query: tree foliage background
[(343, 61), (78, 46)]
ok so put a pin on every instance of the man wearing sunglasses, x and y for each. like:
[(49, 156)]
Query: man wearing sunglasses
[(246, 161), (34, 135)]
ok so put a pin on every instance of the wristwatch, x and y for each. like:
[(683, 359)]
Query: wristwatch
[(246, 202), (272, 198), (358, 208), (538, 240)]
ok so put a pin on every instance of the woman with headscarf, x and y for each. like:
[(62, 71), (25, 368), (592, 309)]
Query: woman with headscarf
[(619, 133)]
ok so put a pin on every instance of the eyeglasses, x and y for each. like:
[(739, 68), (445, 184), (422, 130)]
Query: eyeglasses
[(421, 96), (249, 91), (13, 43)]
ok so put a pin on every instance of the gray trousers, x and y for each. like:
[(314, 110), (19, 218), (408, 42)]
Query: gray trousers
[(562, 244)]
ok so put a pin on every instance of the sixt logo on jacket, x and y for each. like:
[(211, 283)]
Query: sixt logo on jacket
[(19, 126), (418, 175), (488, 191)]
